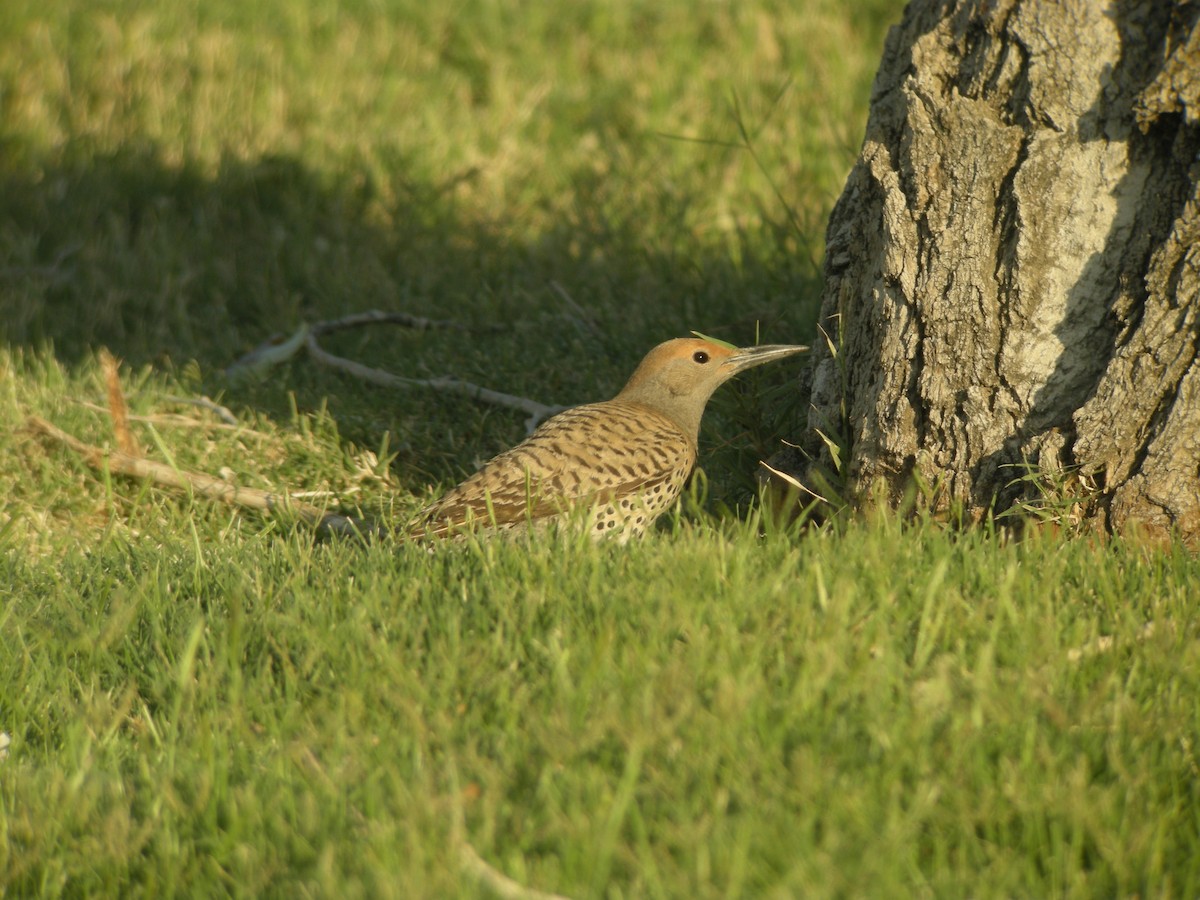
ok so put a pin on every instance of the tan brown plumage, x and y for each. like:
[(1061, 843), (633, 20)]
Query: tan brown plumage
[(625, 460)]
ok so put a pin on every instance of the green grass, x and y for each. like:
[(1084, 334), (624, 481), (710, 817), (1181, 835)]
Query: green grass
[(204, 702)]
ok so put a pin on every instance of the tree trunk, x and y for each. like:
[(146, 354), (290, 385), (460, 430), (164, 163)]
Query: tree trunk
[(1013, 268)]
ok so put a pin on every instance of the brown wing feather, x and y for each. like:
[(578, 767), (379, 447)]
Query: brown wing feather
[(585, 455)]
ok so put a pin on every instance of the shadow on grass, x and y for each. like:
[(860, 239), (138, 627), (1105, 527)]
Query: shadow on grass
[(164, 264)]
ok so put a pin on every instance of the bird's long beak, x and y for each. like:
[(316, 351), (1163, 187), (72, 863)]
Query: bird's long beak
[(749, 357)]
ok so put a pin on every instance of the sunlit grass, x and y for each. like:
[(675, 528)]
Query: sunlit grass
[(877, 708)]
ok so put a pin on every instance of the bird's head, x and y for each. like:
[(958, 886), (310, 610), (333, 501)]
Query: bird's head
[(678, 377)]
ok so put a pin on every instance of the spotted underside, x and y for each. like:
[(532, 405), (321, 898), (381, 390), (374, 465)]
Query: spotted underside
[(623, 462)]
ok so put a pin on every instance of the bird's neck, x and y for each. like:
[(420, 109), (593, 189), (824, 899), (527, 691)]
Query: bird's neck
[(684, 416)]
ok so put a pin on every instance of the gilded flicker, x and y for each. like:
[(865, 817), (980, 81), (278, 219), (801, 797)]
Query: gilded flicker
[(625, 459)]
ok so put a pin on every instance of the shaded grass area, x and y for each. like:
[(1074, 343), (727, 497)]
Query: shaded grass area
[(165, 265), (202, 702), (182, 181)]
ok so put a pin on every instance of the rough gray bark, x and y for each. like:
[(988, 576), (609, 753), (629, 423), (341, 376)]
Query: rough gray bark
[(1013, 268)]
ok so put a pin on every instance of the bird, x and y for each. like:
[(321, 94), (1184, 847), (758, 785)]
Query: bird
[(624, 460)]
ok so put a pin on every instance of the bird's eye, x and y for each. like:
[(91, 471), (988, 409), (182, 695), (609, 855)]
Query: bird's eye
[(700, 356)]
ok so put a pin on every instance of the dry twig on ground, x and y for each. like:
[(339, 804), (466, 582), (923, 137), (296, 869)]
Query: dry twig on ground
[(536, 411), (128, 460), (209, 487), (277, 350)]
